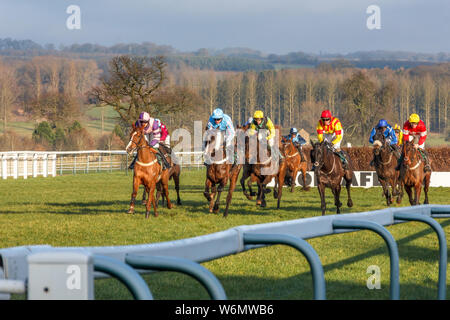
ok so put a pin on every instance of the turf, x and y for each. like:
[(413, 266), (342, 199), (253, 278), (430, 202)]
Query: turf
[(90, 210)]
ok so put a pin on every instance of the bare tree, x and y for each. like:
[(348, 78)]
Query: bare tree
[(131, 86), (8, 91), (429, 94)]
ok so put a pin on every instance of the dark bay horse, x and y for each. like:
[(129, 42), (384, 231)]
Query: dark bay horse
[(147, 170), (412, 173), (294, 163), (328, 172), (219, 170), (262, 168), (385, 164)]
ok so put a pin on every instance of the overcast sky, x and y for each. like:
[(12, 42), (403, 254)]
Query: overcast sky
[(272, 26)]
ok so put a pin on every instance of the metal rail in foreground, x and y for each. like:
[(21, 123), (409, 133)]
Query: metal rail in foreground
[(125, 274), (301, 245), (391, 244), (442, 246), (197, 271)]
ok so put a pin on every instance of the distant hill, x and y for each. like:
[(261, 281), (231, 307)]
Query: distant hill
[(227, 59)]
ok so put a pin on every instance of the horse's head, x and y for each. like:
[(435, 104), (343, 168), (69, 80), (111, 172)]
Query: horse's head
[(137, 139), (409, 153), (317, 154), (379, 141)]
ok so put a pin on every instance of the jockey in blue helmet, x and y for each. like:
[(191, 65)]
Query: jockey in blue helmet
[(221, 121), (388, 132), (297, 140)]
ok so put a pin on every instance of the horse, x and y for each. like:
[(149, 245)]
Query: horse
[(294, 163), (260, 170), (328, 172), (147, 171), (218, 171), (412, 174), (174, 173), (385, 164)]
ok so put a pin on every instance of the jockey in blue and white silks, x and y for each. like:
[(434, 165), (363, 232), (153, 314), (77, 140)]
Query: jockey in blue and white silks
[(219, 120), (297, 140)]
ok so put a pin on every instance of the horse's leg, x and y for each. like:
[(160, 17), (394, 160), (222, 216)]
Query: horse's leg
[(245, 176), (233, 181), (259, 194), (408, 190), (249, 184), (417, 191), (158, 193), (263, 195), (385, 187), (151, 196), (336, 193), (348, 184), (136, 184), (294, 178), (212, 196), (219, 192), (323, 206), (426, 185), (144, 201), (176, 180), (303, 169), (207, 194), (164, 185)]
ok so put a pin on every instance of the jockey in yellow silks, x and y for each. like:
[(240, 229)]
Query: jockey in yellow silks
[(258, 122)]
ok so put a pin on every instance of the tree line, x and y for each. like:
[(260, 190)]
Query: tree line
[(54, 92)]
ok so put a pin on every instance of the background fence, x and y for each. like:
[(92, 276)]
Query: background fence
[(33, 164)]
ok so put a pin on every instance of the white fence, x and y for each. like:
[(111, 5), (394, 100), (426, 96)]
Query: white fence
[(46, 163)]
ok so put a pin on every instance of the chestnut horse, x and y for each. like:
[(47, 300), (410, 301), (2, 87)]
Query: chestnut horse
[(328, 172), (412, 173), (174, 173), (147, 170), (294, 163), (385, 164), (260, 168), (219, 170)]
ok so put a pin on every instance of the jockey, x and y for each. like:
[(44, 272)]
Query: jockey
[(258, 122), (219, 120), (330, 129), (399, 134), (297, 140), (415, 128), (165, 138), (389, 133), (152, 131)]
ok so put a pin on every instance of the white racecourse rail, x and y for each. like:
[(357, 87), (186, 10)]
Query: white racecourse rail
[(51, 163)]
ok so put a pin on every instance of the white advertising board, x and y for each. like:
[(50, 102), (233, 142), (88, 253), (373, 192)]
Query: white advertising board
[(368, 179)]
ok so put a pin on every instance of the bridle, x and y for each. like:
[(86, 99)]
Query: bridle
[(318, 166), (407, 159)]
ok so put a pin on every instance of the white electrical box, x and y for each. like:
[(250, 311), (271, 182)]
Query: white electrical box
[(60, 275)]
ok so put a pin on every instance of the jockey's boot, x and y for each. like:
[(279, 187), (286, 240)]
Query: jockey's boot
[(426, 159), (131, 167), (163, 155), (343, 159), (302, 156)]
